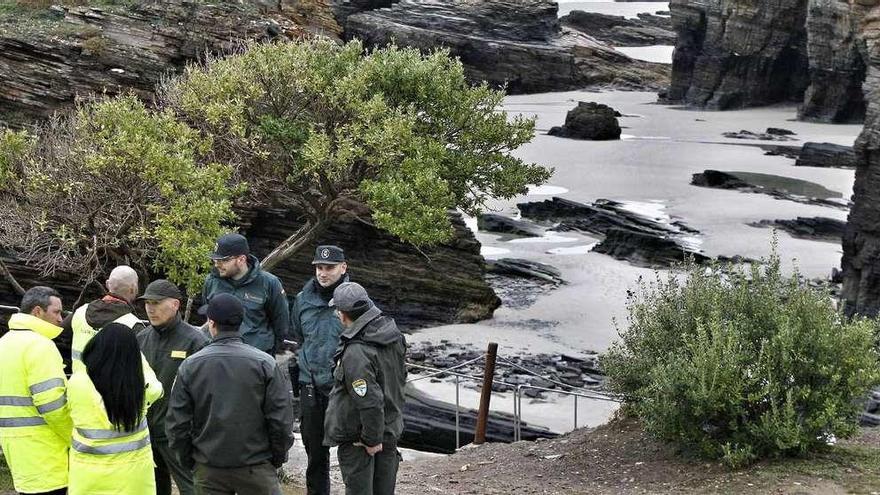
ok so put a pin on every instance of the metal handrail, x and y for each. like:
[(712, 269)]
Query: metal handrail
[(517, 393)]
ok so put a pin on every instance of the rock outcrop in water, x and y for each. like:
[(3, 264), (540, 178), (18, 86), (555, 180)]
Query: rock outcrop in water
[(520, 44), (591, 121), (49, 58)]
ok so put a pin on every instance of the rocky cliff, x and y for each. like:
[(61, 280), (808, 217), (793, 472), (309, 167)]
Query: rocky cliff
[(861, 242), (736, 53), (836, 62), (49, 57), (520, 44)]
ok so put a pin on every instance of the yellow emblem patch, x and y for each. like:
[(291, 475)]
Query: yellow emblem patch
[(178, 354), (360, 387)]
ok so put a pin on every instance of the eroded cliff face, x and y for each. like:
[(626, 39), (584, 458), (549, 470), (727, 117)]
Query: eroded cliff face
[(738, 53), (837, 57), (861, 242), (49, 58)]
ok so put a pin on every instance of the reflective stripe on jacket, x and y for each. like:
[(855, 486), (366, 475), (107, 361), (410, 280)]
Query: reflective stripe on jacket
[(35, 420), (102, 459), (83, 333)]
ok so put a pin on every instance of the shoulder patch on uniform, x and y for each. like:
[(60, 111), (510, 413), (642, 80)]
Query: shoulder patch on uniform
[(360, 387), (178, 354)]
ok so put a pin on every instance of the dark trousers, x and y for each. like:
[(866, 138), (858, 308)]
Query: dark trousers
[(60, 491), (260, 479), (168, 466), (313, 404), (364, 474)]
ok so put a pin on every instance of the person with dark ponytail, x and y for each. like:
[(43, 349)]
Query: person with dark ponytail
[(111, 451)]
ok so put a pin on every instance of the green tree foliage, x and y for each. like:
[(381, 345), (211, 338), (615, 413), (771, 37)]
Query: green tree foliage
[(314, 125), (742, 364), (113, 183)]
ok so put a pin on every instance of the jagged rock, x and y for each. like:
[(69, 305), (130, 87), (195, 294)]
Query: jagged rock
[(114, 49), (519, 44), (491, 222), (645, 250), (760, 136), (826, 155), (645, 30), (738, 53), (792, 152), (344, 8), (861, 243), (626, 235), (836, 62), (526, 268), (589, 120), (786, 188), (776, 131), (814, 228)]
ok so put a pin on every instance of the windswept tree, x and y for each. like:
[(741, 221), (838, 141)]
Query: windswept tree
[(113, 183), (314, 125)]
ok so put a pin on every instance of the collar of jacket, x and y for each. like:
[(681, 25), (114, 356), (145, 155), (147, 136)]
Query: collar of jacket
[(24, 321), (226, 336), (361, 322), (162, 329)]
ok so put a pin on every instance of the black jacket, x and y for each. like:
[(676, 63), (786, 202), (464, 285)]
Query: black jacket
[(99, 313), (231, 406), (366, 403), (165, 348)]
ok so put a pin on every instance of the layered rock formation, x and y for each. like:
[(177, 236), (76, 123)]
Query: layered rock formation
[(861, 242), (519, 44), (644, 30), (836, 65), (47, 59), (420, 289), (736, 53)]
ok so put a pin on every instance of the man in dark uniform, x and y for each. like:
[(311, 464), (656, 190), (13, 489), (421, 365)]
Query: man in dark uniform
[(165, 344), (365, 414), (230, 414), (238, 272), (316, 328)]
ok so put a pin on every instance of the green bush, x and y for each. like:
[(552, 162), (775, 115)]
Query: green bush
[(742, 364)]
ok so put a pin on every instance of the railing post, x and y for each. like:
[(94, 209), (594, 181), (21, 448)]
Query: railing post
[(457, 427), (486, 393)]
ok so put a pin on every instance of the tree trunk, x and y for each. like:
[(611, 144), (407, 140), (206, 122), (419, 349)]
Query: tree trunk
[(303, 237), (9, 278), (189, 307)]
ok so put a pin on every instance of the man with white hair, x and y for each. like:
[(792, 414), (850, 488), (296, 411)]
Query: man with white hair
[(115, 306)]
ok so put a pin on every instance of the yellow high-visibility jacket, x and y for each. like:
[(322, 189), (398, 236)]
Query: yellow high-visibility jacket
[(35, 425), (104, 461), (83, 333)]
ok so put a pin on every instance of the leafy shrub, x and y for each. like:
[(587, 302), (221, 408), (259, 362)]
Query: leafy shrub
[(742, 364)]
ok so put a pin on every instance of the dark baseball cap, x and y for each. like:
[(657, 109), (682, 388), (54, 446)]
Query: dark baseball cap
[(329, 255), (161, 289), (230, 245), (224, 309), (350, 296)]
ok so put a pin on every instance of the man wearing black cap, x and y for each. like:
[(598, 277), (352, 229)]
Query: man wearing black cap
[(365, 414), (165, 344), (237, 272), (230, 415), (316, 328)]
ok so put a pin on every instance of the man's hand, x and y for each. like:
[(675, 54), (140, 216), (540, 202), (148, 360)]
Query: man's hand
[(370, 450)]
